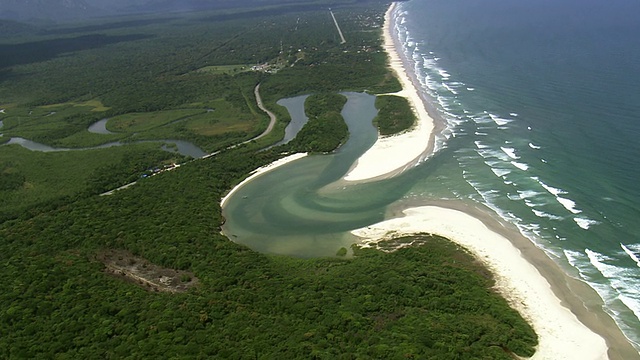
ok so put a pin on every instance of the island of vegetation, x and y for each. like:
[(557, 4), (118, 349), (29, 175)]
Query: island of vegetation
[(191, 77)]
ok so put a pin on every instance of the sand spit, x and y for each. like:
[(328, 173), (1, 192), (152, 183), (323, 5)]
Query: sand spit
[(393, 154)]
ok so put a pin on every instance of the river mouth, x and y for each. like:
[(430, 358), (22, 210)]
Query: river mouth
[(302, 208)]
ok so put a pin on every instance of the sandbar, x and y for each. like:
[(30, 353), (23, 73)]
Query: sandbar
[(393, 154)]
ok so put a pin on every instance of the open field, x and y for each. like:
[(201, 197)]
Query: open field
[(140, 122), (95, 104), (226, 69)]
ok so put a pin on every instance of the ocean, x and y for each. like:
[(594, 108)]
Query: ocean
[(542, 113), (542, 117)]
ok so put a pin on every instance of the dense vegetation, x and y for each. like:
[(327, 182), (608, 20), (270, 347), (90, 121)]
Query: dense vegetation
[(394, 114), (326, 130), (415, 302), (430, 301), (31, 180)]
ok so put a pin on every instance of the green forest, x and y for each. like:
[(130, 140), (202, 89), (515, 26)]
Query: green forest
[(189, 77), (394, 114)]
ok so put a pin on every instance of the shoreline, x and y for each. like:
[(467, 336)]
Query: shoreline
[(560, 334), (261, 170), (406, 149), (566, 313)]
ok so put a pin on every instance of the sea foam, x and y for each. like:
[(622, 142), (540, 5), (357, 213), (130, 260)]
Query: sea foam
[(622, 280), (498, 120), (631, 254), (521, 166), (511, 152), (569, 205), (542, 214), (500, 172), (585, 223), (552, 190)]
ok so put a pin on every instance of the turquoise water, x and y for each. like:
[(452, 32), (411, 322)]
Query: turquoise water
[(542, 108), (541, 111), (299, 209)]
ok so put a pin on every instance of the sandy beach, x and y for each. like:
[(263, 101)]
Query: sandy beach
[(566, 313), (561, 335), (543, 294), (393, 154)]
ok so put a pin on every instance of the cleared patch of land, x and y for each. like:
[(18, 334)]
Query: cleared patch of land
[(143, 273), (136, 122), (226, 69), (95, 104)]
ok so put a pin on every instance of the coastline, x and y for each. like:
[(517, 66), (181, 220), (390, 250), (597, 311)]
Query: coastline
[(261, 170), (400, 151), (566, 313), (568, 326), (543, 304)]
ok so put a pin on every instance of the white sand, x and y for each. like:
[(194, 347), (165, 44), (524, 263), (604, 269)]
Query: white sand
[(561, 335), (395, 153), (261, 171)]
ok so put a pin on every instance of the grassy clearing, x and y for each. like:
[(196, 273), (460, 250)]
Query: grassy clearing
[(86, 139), (39, 122), (137, 122), (95, 105), (221, 117), (225, 69), (208, 125)]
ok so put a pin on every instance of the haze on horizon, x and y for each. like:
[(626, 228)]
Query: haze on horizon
[(73, 10)]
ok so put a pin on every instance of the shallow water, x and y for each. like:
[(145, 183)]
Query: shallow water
[(295, 106), (540, 108), (100, 127), (541, 102), (298, 209)]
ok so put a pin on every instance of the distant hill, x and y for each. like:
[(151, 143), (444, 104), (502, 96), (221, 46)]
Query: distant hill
[(10, 28), (34, 10), (65, 10)]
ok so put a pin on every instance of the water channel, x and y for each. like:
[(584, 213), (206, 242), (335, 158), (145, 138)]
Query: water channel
[(178, 146), (100, 127), (303, 208)]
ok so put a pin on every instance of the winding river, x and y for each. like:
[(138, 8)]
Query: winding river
[(179, 146), (100, 127), (182, 147), (303, 208)]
